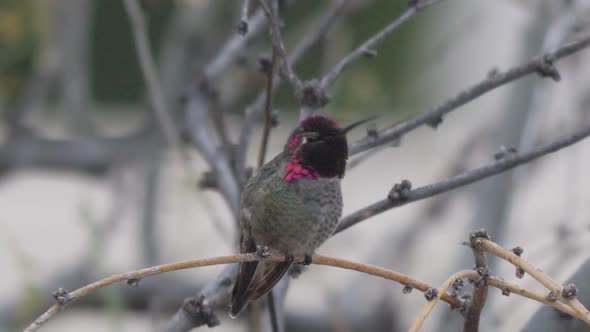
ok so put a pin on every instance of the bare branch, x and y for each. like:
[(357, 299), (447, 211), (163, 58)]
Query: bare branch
[(203, 138), (543, 65), (267, 108), (366, 49), (232, 48), (383, 273), (194, 263), (150, 75), (286, 69), (556, 288), (508, 162)]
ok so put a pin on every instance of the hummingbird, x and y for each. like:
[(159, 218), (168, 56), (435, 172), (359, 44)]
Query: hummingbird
[(291, 205)]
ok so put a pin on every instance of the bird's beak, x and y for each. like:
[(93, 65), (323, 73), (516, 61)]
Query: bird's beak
[(348, 128)]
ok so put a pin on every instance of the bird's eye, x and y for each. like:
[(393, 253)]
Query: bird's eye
[(309, 138)]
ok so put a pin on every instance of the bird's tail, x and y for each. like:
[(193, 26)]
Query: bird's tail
[(254, 280)]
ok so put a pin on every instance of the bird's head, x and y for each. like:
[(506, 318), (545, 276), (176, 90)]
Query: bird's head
[(318, 148)]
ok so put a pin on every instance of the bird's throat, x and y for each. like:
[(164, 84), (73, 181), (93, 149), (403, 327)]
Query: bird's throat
[(295, 171)]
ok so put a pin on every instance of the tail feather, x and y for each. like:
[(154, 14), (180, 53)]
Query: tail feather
[(254, 281), (243, 280)]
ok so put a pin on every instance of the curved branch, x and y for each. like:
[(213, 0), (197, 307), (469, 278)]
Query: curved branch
[(440, 292), (556, 288), (529, 294), (134, 277)]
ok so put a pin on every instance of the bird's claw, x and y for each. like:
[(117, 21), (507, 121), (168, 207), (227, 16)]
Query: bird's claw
[(262, 251), (308, 260)]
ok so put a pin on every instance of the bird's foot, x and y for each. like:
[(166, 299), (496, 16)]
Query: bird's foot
[(262, 251), (308, 260)]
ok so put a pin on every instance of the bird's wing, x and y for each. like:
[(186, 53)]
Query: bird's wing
[(245, 290)]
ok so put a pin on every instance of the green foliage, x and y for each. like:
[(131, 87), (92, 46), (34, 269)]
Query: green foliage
[(116, 73), (19, 39)]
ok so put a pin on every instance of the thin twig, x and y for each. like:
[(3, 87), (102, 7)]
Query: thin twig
[(542, 277), (383, 273), (516, 289), (267, 108), (542, 64), (286, 70), (440, 292), (366, 49), (508, 162), (150, 75), (233, 48), (137, 275)]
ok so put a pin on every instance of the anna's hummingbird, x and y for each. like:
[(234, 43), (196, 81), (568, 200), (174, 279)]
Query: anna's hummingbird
[(291, 205)]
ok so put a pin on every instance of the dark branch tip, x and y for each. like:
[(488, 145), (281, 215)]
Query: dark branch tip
[(274, 119), (207, 181), (569, 291), (435, 122), (506, 291), (199, 311), (133, 282), (545, 68), (206, 88), (400, 191), (265, 64), (505, 152), (312, 95), (372, 132), (518, 251), (62, 296), (479, 234), (431, 294), (484, 273), (369, 53), (407, 289), (242, 28), (493, 72)]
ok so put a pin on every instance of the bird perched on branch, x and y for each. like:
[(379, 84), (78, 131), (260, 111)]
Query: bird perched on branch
[(291, 205)]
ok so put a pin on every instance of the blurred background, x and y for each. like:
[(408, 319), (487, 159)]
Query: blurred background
[(89, 187)]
